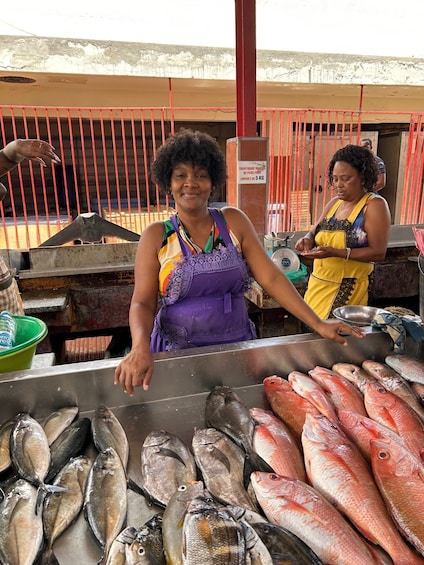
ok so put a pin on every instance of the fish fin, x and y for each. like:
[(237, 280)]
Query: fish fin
[(254, 462), (170, 453), (258, 463), (220, 456), (132, 485)]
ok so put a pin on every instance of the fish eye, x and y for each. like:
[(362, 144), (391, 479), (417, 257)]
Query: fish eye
[(383, 455), (273, 476), (182, 488), (381, 389), (141, 550)]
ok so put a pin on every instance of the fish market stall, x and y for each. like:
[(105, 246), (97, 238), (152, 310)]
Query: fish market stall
[(394, 281), (174, 402)]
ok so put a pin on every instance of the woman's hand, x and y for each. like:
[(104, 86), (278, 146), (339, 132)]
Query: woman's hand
[(321, 252), (333, 329), (33, 149), (136, 369), (304, 244), (37, 150)]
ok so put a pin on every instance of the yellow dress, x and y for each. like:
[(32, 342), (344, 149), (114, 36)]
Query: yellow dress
[(335, 282)]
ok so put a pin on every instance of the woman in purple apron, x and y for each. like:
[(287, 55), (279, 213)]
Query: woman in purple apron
[(205, 304), (199, 264)]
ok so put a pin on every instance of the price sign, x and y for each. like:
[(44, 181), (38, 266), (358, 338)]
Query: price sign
[(251, 172)]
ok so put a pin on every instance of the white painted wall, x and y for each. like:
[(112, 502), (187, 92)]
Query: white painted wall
[(364, 27)]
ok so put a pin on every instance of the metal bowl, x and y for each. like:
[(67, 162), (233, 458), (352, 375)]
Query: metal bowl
[(357, 315)]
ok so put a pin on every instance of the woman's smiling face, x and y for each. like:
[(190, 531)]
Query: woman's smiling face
[(191, 185)]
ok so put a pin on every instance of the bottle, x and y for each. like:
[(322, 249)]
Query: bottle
[(7, 330)]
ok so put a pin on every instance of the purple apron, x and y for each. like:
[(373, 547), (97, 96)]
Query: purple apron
[(205, 303)]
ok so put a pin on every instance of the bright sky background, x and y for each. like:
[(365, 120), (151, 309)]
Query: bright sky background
[(367, 27)]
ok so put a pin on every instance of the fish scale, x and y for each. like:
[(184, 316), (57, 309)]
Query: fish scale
[(212, 535)]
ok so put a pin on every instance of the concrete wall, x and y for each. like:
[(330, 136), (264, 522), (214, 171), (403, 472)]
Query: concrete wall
[(73, 72)]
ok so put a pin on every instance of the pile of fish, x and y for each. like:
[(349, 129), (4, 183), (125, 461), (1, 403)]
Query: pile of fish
[(330, 473)]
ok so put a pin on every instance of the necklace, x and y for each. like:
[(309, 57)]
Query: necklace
[(196, 248)]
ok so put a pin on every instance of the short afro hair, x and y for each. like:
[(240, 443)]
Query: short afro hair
[(361, 159), (188, 146)]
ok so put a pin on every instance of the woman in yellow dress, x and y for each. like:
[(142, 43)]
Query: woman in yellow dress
[(351, 234)]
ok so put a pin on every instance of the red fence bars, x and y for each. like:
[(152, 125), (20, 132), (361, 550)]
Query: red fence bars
[(106, 155)]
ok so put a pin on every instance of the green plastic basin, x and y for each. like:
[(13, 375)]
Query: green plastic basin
[(29, 332)]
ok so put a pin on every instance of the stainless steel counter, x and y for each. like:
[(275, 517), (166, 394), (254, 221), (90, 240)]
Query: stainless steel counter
[(175, 401)]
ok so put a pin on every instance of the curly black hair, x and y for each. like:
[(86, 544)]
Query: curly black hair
[(361, 159), (188, 146)]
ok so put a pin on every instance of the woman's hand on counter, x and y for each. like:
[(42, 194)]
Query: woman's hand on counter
[(136, 369), (323, 252), (336, 329)]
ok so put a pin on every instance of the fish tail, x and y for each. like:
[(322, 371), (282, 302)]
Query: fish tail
[(54, 488), (41, 495), (43, 491), (48, 558)]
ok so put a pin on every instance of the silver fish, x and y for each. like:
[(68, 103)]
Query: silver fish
[(105, 502), (5, 432), (61, 509), (21, 527), (150, 537), (173, 520), (356, 375), (166, 463), (212, 535), (409, 368), (116, 554), (56, 422), (226, 412), (139, 546), (69, 444), (221, 462), (107, 432), (137, 554), (30, 452)]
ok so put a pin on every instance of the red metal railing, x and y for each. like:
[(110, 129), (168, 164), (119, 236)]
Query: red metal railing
[(106, 155)]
